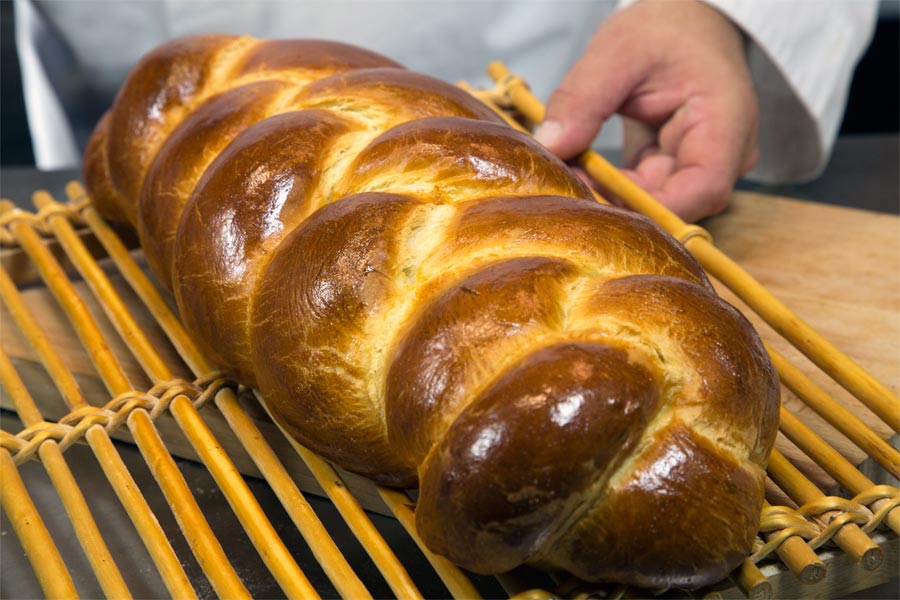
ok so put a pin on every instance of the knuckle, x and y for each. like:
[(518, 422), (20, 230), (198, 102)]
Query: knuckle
[(564, 95), (719, 194)]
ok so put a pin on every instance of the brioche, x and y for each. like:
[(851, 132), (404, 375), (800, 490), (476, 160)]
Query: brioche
[(427, 297)]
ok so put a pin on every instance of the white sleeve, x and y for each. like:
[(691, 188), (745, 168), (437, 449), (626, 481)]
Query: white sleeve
[(802, 56)]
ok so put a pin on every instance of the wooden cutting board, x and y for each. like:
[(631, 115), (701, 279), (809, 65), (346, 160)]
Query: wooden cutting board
[(837, 268)]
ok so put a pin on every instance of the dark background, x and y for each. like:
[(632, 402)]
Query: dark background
[(873, 107), (15, 143)]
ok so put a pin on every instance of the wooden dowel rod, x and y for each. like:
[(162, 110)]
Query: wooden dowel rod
[(849, 537), (193, 523), (188, 514), (142, 285), (83, 523), (232, 485), (154, 538), (832, 462), (262, 534), (822, 353), (851, 376), (80, 317), (801, 560), (21, 398), (100, 285), (48, 565), (385, 560), (102, 563), (459, 585), (62, 378), (835, 414), (381, 554), (323, 546), (150, 531), (752, 581), (796, 554)]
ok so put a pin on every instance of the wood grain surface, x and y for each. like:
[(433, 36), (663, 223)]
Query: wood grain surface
[(838, 269)]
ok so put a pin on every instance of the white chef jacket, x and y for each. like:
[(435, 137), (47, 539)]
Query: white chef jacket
[(801, 55)]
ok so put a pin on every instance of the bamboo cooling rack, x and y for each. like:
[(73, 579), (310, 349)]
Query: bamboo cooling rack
[(68, 278)]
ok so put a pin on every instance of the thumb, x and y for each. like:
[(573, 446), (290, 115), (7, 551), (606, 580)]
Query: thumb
[(592, 91)]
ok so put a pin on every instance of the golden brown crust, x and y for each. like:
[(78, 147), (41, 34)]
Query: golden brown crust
[(715, 359), (467, 332), (184, 157), (682, 492), (578, 230), (333, 275), (316, 57), (172, 79), (405, 95), (527, 453), (258, 189), (151, 103), (422, 293), (450, 159), (96, 175)]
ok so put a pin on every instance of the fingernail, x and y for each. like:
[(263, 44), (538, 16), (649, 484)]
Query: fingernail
[(548, 133)]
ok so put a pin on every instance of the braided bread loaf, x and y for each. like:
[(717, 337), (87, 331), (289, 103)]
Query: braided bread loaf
[(425, 296)]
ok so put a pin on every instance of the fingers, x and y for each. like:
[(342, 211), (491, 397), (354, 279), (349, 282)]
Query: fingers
[(592, 91), (698, 155), (714, 142), (695, 178), (637, 138), (677, 74), (653, 170), (694, 193)]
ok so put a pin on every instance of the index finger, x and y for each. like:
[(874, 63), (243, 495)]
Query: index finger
[(712, 147)]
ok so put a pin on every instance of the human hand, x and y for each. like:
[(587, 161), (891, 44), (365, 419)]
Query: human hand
[(675, 70)]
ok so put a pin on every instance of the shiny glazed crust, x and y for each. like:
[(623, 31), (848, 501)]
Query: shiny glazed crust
[(427, 297)]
